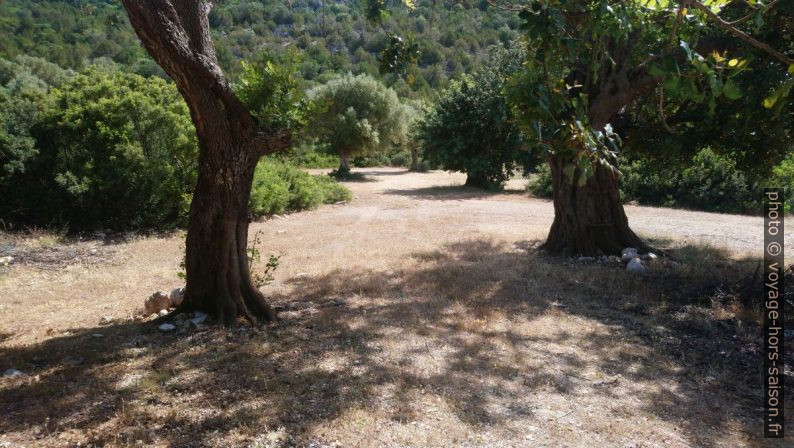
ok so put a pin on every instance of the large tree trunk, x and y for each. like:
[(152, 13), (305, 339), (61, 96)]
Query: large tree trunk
[(344, 161), (414, 159), (176, 34), (588, 220)]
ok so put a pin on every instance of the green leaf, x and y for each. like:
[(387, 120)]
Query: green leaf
[(731, 91)]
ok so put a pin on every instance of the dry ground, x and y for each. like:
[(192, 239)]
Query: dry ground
[(418, 315)]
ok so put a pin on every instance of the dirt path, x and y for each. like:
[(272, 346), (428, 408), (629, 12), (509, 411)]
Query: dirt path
[(413, 316)]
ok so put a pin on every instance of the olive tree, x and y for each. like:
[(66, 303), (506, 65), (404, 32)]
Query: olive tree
[(354, 115), (231, 141)]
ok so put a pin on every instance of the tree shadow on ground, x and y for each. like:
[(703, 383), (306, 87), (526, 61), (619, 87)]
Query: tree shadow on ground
[(486, 332), (451, 192)]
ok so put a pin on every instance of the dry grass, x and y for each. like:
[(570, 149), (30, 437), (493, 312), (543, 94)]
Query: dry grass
[(419, 315)]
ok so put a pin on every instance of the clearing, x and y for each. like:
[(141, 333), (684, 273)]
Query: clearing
[(420, 314)]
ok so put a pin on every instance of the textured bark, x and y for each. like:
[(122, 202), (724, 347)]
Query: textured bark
[(176, 34), (414, 159), (344, 161), (590, 219)]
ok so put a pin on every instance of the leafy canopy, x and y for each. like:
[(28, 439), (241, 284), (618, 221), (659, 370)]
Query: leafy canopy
[(355, 115)]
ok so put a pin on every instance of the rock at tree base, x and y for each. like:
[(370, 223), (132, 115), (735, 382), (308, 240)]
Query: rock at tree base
[(198, 318), (165, 328), (628, 254), (157, 302), (176, 296), (635, 266), (11, 373)]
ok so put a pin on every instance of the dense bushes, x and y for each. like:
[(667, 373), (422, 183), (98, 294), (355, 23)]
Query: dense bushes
[(108, 149), (471, 128), (280, 187), (708, 181)]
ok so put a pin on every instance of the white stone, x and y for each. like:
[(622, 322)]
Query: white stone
[(11, 373), (6, 261), (166, 328), (628, 254), (635, 266), (157, 302), (163, 313), (198, 318), (585, 259), (177, 296)]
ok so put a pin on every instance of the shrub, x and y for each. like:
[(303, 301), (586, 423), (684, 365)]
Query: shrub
[(709, 182), (471, 129), (112, 149), (280, 187), (539, 185)]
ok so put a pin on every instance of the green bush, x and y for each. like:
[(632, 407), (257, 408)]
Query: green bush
[(539, 184), (105, 149), (709, 182), (472, 129), (783, 177), (401, 158), (280, 187), (312, 158)]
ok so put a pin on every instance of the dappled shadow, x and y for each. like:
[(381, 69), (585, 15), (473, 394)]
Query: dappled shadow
[(451, 192), (486, 331)]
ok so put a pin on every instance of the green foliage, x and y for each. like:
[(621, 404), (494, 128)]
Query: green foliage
[(334, 36), (308, 156), (355, 115), (270, 90), (540, 183), (110, 150), (280, 187), (472, 129), (575, 48), (265, 277), (709, 182)]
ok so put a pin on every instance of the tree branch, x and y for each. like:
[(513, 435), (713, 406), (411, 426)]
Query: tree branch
[(741, 34)]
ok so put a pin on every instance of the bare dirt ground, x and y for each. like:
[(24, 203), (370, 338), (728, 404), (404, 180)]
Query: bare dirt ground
[(419, 314)]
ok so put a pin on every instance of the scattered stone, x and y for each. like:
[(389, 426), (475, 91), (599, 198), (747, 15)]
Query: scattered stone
[(198, 318), (165, 328), (614, 259), (177, 296), (279, 232), (6, 261), (302, 274), (107, 320), (670, 264), (153, 316), (585, 259), (12, 373), (97, 335), (628, 254), (635, 266), (180, 317), (163, 313), (157, 302)]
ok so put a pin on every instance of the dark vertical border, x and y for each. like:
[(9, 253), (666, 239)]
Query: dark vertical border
[(774, 270)]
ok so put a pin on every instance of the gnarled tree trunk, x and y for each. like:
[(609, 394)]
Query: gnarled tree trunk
[(588, 220), (344, 161), (176, 34)]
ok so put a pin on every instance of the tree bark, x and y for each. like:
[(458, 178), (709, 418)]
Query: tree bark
[(344, 161), (414, 159), (588, 220), (176, 34)]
